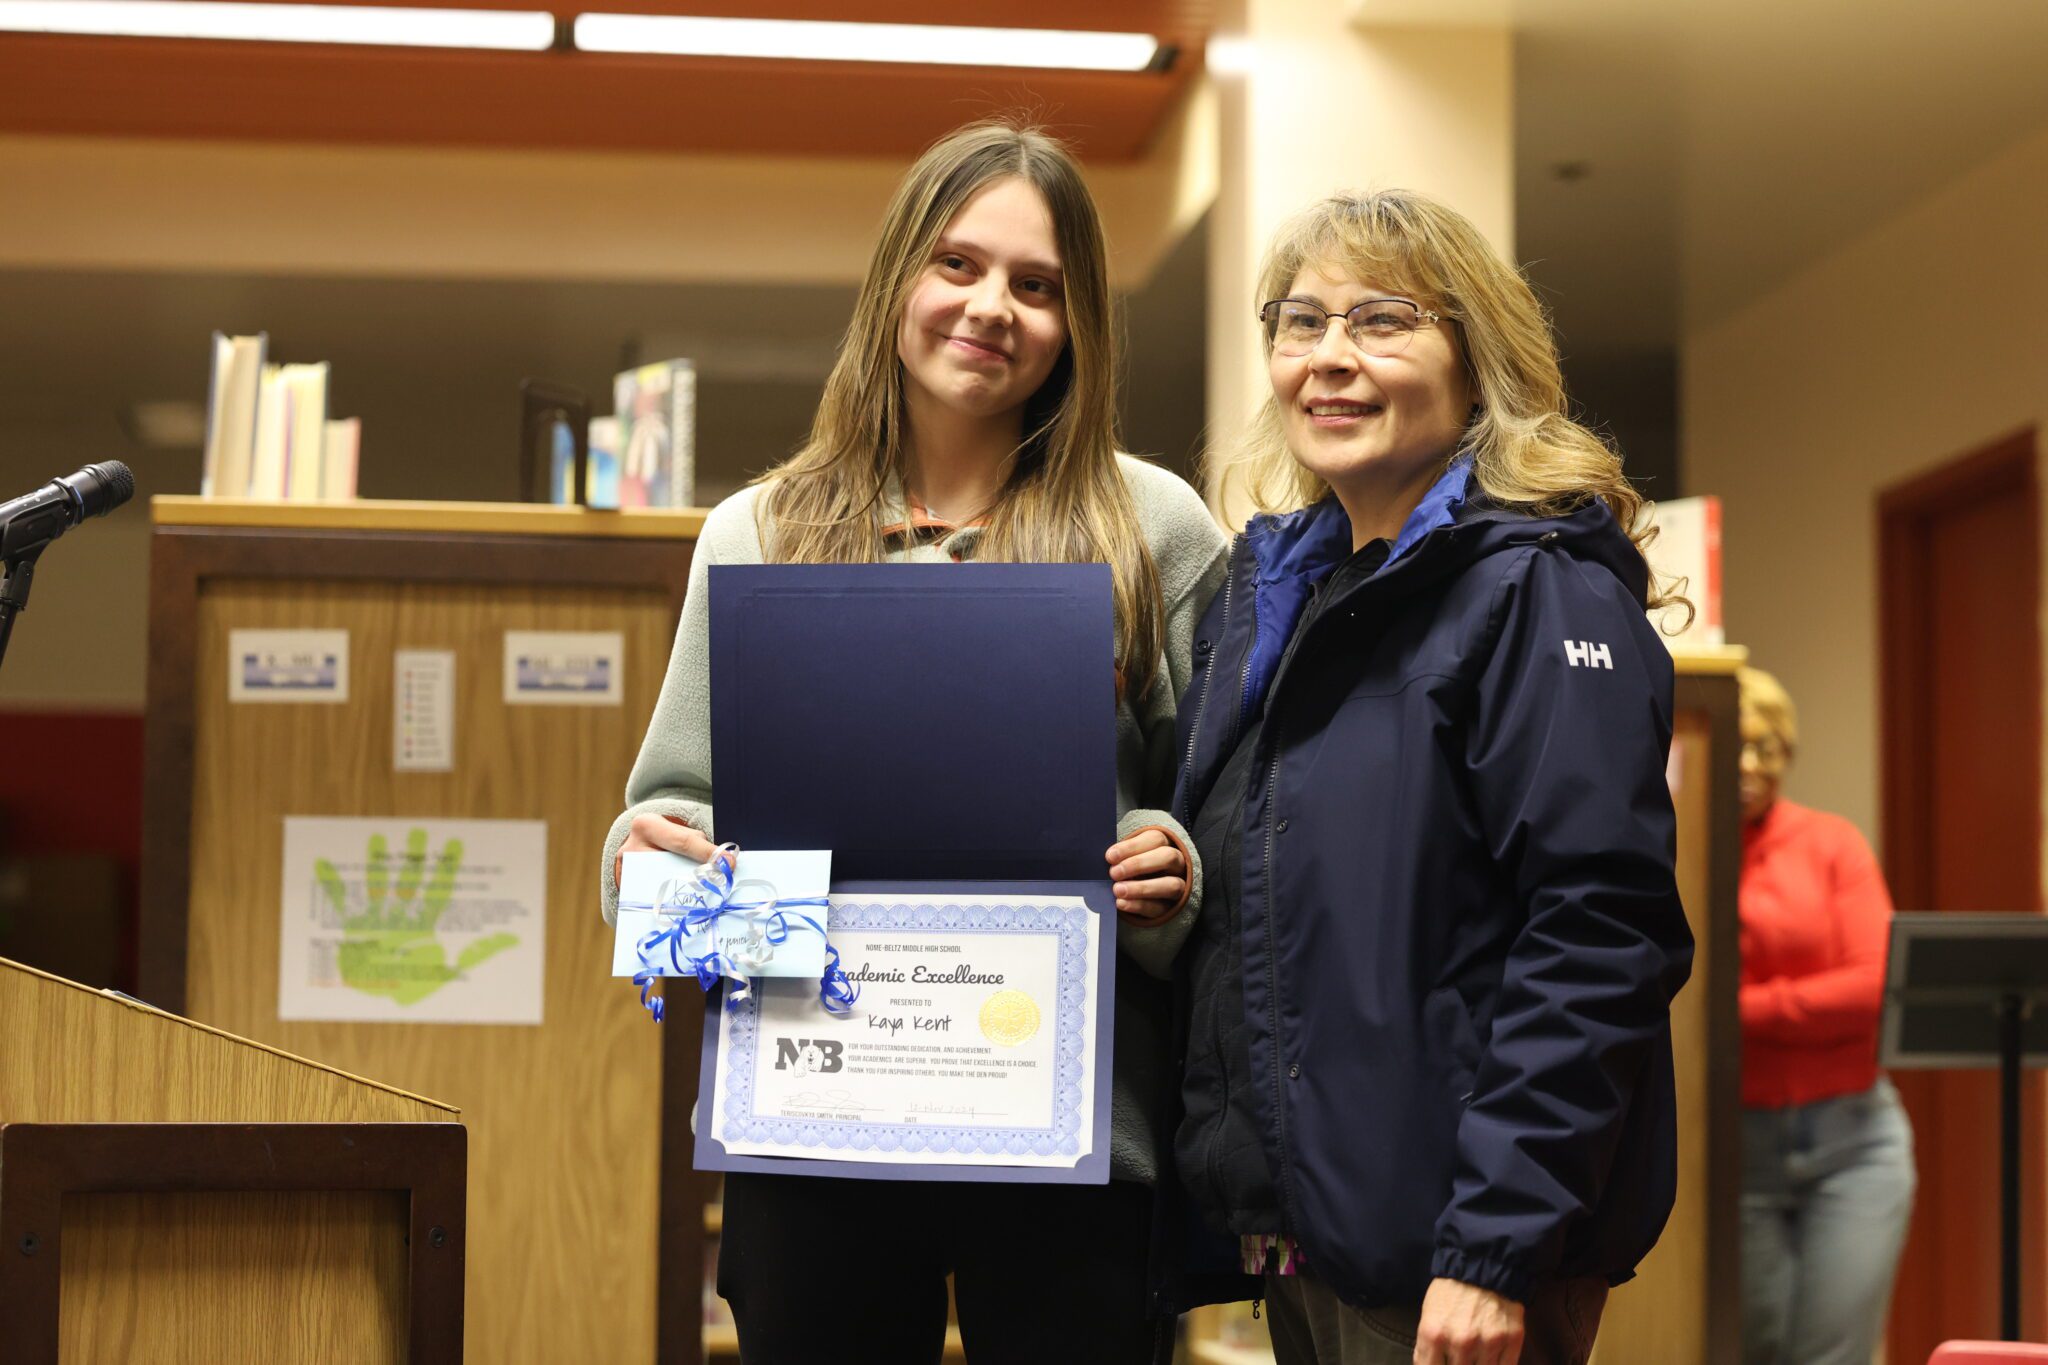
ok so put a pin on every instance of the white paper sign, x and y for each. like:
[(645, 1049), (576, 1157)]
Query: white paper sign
[(288, 665), (413, 920), (759, 875), (564, 668), (423, 710)]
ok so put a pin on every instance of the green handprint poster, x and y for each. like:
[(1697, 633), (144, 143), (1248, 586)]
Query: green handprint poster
[(413, 920)]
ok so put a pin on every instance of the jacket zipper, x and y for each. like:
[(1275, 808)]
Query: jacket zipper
[(1286, 1172), (1244, 679), (1273, 991), (1209, 674), (1216, 999), (1187, 775)]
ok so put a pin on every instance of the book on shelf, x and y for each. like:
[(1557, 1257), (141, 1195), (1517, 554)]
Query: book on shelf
[(305, 429), (602, 479), (268, 434), (231, 414), (561, 452), (291, 430), (339, 446), (1688, 548), (554, 430), (656, 409), (266, 461)]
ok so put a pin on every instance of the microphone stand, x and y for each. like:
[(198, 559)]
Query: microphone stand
[(20, 574)]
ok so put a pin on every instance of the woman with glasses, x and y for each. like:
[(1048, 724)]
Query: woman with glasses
[(1428, 1073), (1827, 1149), (970, 416)]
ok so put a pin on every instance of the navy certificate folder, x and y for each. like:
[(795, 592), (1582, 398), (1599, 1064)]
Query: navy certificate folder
[(941, 725)]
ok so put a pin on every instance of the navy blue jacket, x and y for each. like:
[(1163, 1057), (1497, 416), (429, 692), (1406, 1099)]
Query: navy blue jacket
[(1459, 928)]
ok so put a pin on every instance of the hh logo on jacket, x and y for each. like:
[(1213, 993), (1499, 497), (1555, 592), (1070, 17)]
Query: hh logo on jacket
[(1587, 654)]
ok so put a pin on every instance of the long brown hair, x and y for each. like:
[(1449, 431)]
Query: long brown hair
[(1065, 501), (1526, 450)]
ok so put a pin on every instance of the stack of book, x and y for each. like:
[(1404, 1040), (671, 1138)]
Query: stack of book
[(267, 430), (645, 454)]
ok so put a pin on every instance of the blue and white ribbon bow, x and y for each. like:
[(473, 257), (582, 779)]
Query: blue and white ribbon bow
[(700, 903)]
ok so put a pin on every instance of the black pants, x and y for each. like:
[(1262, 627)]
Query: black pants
[(854, 1271)]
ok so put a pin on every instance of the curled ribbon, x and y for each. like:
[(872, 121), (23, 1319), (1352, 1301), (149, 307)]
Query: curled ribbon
[(700, 903)]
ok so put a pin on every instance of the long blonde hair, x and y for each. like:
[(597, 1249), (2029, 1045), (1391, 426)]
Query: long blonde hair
[(1065, 501), (1526, 451)]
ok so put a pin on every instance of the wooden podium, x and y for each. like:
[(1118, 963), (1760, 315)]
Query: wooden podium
[(173, 1194)]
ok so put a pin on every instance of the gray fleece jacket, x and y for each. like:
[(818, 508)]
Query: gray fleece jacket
[(672, 776)]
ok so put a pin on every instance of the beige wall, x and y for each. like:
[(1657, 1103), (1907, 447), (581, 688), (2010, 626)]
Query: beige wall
[(132, 204), (1311, 101), (1917, 342)]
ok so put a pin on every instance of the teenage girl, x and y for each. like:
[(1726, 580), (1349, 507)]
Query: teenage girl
[(970, 416)]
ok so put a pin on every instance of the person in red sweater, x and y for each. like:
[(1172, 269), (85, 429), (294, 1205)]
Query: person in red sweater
[(1827, 1151)]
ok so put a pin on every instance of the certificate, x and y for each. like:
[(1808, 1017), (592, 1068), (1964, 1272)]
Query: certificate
[(948, 732), (973, 1037)]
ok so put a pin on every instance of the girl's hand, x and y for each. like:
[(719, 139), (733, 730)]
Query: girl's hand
[(662, 834), (1150, 873)]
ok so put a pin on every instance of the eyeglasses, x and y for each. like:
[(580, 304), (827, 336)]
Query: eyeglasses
[(1769, 749), (1378, 327)]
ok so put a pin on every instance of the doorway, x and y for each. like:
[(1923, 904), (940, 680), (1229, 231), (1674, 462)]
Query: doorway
[(1961, 708)]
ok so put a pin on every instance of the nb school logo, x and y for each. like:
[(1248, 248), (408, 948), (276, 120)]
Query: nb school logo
[(809, 1057), (1588, 654)]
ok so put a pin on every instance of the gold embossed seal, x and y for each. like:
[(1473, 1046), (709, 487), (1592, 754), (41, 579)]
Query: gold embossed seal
[(1009, 1018)]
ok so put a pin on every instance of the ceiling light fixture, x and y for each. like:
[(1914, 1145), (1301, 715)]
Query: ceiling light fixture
[(823, 41), (375, 25)]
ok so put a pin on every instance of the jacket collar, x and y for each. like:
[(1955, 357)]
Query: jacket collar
[(1307, 544), (1293, 553), (1302, 547)]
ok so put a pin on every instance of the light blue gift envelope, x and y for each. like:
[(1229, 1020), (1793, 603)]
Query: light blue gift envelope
[(768, 919)]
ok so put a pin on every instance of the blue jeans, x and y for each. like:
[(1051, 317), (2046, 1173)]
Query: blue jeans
[(1826, 1193)]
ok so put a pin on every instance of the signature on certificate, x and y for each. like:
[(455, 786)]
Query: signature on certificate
[(830, 1101), (956, 1110)]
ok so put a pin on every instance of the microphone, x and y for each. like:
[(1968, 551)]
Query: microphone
[(35, 519)]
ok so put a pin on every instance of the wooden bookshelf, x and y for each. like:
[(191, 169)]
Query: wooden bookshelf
[(1218, 1353), (593, 1086), (1225, 1334), (444, 518)]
